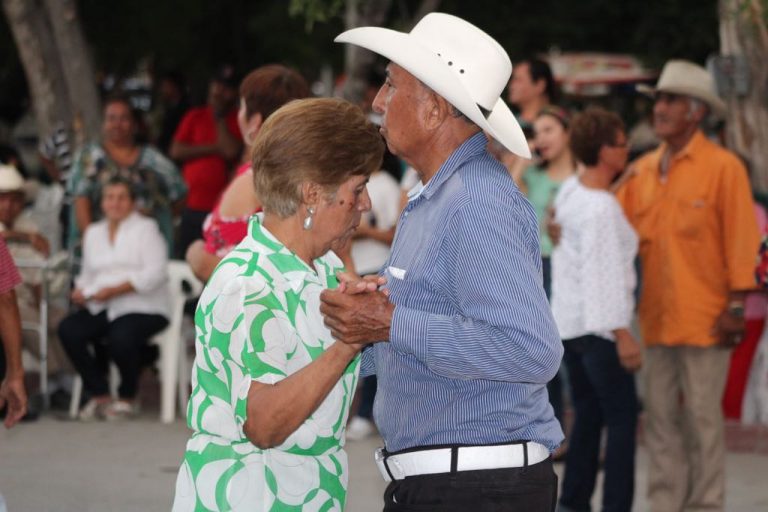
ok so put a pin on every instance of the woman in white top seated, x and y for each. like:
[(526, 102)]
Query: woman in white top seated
[(123, 293), (593, 281)]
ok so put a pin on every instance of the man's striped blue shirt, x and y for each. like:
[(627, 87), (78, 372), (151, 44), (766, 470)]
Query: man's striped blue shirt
[(472, 343)]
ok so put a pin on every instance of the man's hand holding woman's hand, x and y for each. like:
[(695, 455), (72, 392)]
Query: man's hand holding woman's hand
[(357, 312), (352, 284)]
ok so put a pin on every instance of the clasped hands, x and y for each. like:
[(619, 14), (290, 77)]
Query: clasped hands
[(358, 312), (103, 295)]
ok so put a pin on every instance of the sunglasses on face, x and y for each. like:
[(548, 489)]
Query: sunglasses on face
[(666, 97)]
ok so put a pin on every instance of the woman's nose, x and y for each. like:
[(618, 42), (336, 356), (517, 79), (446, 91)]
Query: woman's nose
[(365, 201)]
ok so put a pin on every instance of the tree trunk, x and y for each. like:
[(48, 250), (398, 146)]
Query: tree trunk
[(358, 61), (75, 58), (743, 33), (57, 65), (32, 33)]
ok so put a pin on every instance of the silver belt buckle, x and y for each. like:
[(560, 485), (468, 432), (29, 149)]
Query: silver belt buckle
[(379, 457)]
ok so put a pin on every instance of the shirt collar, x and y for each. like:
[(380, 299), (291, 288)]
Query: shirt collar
[(693, 147), (470, 148), (294, 270), (690, 150)]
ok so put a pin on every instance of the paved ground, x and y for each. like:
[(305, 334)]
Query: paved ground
[(60, 466)]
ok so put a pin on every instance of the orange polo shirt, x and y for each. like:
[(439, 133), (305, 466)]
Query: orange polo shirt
[(698, 239)]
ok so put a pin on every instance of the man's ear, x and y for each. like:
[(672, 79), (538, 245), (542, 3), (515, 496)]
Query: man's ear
[(696, 112), (438, 110)]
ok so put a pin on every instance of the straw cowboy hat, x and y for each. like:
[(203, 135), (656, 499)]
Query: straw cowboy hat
[(689, 79), (459, 62), (10, 179)]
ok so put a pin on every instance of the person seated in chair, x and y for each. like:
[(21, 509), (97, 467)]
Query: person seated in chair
[(122, 292), (30, 250)]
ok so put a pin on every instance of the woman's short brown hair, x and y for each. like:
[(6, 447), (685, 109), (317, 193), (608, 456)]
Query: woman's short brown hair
[(320, 140), (269, 87), (591, 130)]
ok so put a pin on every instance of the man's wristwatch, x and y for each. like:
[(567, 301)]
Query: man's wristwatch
[(736, 309)]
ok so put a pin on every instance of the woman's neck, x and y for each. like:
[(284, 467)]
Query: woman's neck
[(291, 233), (596, 177), (122, 153), (531, 109), (562, 167), (112, 226)]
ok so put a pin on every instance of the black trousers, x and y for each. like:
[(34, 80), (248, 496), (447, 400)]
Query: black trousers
[(604, 396), (120, 340), (528, 489)]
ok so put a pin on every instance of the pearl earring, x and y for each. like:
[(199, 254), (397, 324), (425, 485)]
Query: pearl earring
[(308, 219)]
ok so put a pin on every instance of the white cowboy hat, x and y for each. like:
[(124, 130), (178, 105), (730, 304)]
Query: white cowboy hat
[(689, 79), (459, 62), (10, 179)]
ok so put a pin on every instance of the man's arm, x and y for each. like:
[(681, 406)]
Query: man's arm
[(504, 329), (12, 391), (36, 240), (182, 151), (741, 242), (227, 145)]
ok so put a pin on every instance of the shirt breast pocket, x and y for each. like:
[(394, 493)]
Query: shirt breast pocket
[(691, 217), (396, 273)]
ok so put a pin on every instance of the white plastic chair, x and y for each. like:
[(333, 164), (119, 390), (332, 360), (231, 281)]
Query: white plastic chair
[(57, 263), (174, 372)]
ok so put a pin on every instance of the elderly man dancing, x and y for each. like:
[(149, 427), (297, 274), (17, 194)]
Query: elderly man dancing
[(464, 341)]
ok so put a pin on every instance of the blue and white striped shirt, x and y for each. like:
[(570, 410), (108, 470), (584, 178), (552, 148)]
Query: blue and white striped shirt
[(472, 343)]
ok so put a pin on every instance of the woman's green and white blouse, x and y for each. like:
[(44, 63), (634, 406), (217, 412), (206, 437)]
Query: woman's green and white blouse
[(259, 319)]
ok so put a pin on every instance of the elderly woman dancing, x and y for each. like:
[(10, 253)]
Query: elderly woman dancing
[(271, 388)]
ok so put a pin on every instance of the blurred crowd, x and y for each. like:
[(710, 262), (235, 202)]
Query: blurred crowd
[(676, 231)]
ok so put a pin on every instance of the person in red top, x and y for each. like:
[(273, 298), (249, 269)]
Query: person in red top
[(207, 141), (12, 392), (262, 92)]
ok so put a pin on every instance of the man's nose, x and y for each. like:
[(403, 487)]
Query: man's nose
[(378, 101)]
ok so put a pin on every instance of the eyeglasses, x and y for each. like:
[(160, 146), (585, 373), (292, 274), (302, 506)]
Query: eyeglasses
[(666, 97)]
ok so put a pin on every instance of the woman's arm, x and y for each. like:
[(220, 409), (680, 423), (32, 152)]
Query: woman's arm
[(201, 261), (110, 292), (152, 267), (275, 411), (83, 213)]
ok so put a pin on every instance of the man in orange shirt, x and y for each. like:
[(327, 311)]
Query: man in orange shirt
[(691, 204)]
